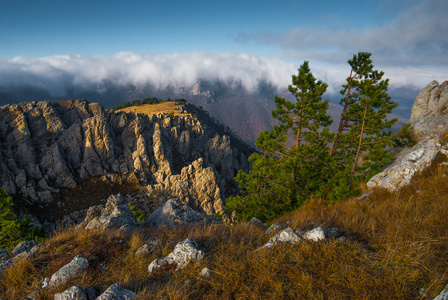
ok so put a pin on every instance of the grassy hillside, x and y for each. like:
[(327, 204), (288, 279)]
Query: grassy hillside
[(397, 249), (170, 107)]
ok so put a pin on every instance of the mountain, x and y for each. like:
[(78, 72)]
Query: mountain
[(57, 157)]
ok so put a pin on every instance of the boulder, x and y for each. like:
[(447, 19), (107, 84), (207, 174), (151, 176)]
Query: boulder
[(76, 293), (67, 272), (286, 236), (443, 294), (276, 227), (183, 253), (175, 213), (407, 163), (113, 215), (430, 112), (147, 248), (255, 222), (116, 292), (206, 273), (317, 234)]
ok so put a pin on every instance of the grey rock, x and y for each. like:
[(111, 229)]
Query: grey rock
[(116, 292), (70, 270), (23, 247), (113, 215), (76, 293), (285, 236), (206, 273), (147, 247), (407, 163), (175, 213), (183, 253), (255, 222), (429, 112), (443, 294), (276, 227), (317, 234)]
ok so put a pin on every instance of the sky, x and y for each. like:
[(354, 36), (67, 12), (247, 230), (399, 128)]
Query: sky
[(56, 43)]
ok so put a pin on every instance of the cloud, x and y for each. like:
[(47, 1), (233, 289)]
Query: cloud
[(60, 72), (416, 37)]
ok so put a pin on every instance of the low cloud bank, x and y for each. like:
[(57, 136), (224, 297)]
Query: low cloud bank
[(60, 73)]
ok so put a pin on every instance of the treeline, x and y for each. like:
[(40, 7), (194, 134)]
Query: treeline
[(301, 158), (151, 100)]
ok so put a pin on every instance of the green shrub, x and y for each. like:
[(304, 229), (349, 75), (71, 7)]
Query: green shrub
[(13, 230)]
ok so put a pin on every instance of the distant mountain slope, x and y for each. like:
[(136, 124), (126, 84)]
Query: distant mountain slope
[(245, 112)]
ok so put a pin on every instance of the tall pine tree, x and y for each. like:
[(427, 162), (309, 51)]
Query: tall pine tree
[(362, 139), (292, 165)]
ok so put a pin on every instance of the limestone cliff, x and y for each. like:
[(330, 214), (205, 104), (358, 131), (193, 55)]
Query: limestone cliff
[(48, 148)]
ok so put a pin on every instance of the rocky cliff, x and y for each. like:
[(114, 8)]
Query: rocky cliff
[(48, 149)]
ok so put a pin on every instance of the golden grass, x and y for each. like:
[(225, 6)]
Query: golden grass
[(398, 249), (169, 107)]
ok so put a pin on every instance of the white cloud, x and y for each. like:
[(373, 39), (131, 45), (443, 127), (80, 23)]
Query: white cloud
[(59, 72)]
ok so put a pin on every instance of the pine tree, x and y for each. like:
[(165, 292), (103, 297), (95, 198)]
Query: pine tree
[(291, 168), (362, 140)]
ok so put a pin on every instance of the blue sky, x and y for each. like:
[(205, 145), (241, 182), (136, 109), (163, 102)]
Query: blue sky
[(137, 41)]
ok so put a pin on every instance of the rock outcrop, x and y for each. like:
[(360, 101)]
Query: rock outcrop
[(68, 271), (184, 252), (115, 291), (113, 215), (429, 122), (175, 213), (47, 148), (76, 292), (407, 163), (429, 112)]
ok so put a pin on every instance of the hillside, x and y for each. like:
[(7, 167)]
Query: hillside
[(389, 246), (390, 243)]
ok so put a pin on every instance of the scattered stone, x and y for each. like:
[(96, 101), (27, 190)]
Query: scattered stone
[(255, 222), (276, 227), (114, 214), (30, 253), (317, 234), (206, 273), (286, 236), (175, 213), (115, 291), (45, 282), (76, 293), (23, 246), (443, 295), (365, 196), (68, 271), (147, 248), (184, 252), (5, 260)]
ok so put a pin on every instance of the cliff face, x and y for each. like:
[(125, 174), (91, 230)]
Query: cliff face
[(47, 148)]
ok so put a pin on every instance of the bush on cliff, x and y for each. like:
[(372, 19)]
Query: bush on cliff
[(13, 230)]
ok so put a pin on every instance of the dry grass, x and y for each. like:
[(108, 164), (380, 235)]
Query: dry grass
[(169, 107), (398, 249)]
